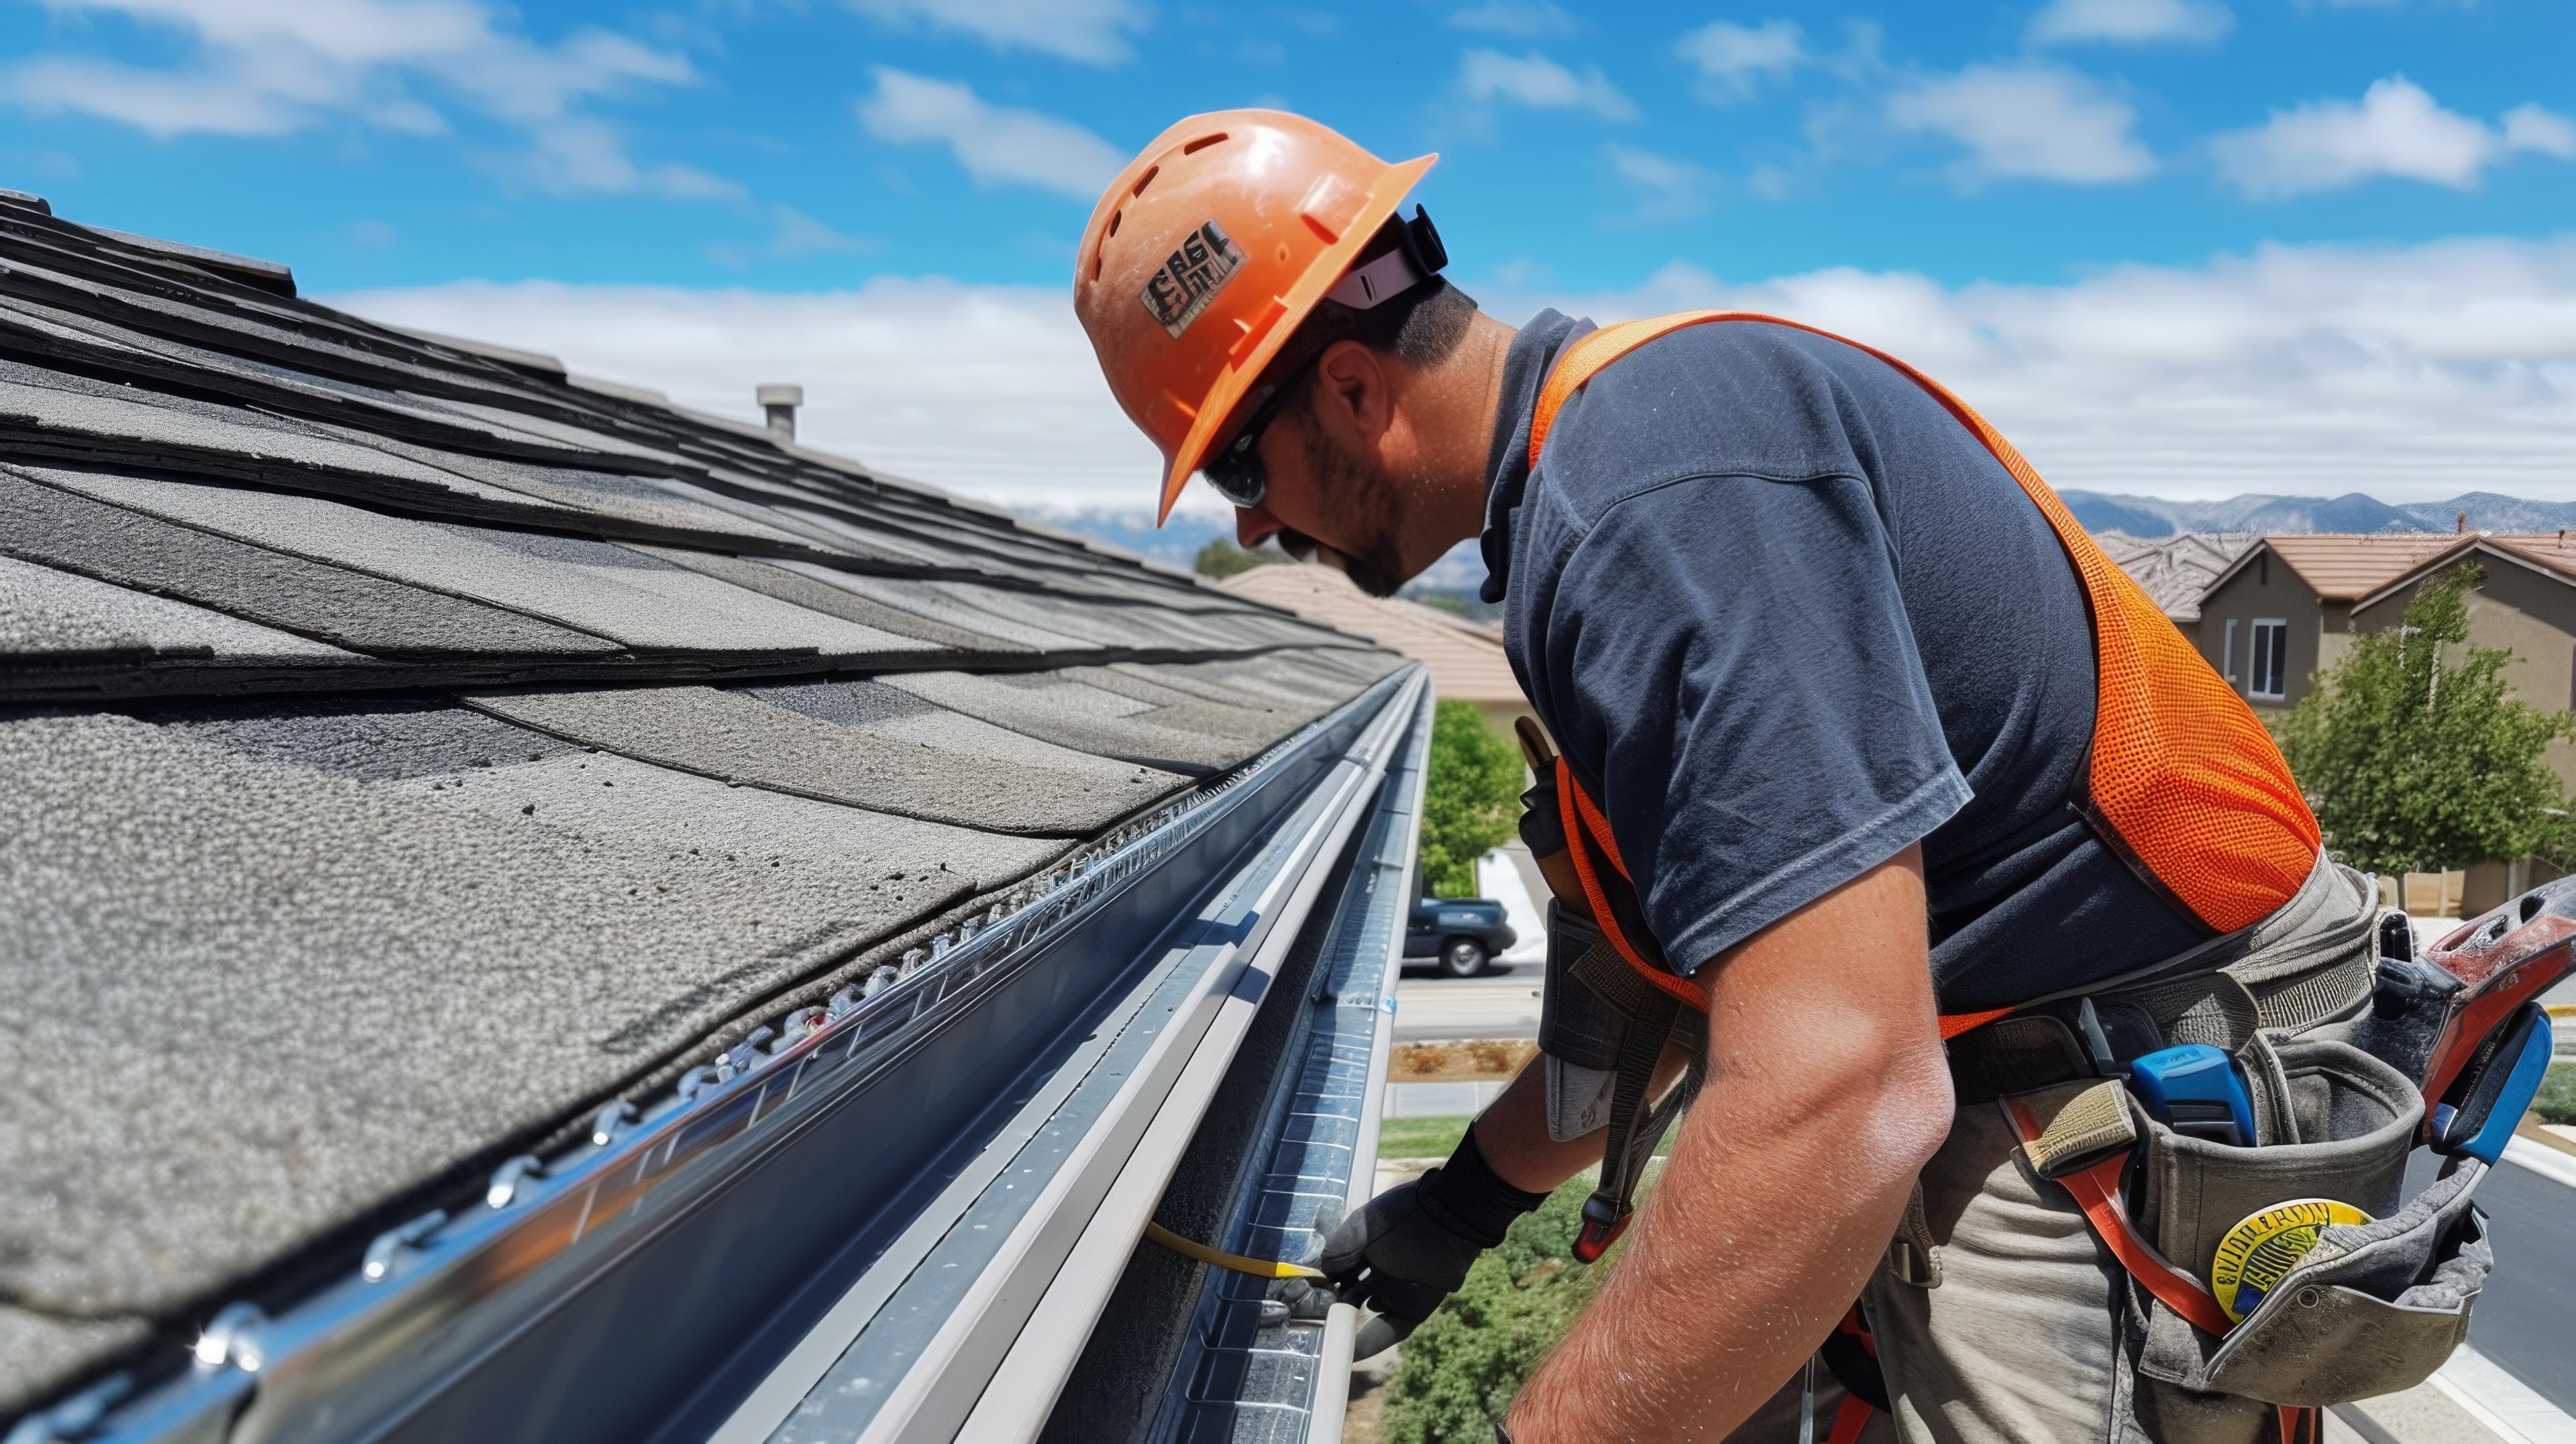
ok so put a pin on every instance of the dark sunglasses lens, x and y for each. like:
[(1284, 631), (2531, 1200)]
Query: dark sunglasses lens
[(1236, 475)]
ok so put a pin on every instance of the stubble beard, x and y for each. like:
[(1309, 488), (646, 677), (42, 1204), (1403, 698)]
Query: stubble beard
[(1372, 507)]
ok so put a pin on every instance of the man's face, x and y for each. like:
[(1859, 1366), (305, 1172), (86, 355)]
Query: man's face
[(1332, 496)]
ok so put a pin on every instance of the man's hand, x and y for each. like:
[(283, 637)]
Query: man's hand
[(1405, 1250), (1826, 1093)]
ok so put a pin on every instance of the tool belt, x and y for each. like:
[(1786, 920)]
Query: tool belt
[(2341, 1038)]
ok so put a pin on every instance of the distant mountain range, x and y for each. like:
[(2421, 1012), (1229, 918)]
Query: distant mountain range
[(2140, 516), (2153, 516)]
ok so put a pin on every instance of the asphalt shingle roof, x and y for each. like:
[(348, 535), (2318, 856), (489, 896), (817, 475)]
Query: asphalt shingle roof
[(411, 746)]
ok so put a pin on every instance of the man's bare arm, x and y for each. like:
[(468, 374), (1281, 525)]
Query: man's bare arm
[(1826, 1094)]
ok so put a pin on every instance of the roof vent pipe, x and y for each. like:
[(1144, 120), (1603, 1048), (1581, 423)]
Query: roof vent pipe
[(780, 402), (2461, 528)]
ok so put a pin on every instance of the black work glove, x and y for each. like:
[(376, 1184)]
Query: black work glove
[(1408, 1248)]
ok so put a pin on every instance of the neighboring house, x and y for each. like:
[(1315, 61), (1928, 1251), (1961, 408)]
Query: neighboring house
[(1465, 658), (2527, 603), (2291, 605), (530, 913), (2283, 608), (2175, 570)]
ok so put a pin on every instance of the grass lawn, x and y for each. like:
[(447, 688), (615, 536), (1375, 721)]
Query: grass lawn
[(1420, 1137), (1438, 1137), (2557, 1100)]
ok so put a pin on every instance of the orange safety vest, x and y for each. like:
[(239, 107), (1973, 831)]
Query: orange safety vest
[(2183, 783)]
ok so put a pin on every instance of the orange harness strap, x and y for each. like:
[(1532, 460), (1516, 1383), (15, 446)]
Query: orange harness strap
[(2097, 1192), (1585, 829)]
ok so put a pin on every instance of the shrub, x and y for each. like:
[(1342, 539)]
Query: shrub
[(1462, 1367), (1221, 558)]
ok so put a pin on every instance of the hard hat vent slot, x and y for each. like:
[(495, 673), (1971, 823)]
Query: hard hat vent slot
[(1114, 218), (1202, 143), (1145, 180)]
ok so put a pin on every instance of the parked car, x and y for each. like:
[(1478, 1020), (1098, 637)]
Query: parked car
[(1462, 934)]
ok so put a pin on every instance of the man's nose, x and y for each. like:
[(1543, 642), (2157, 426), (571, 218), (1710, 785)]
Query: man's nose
[(1253, 525)]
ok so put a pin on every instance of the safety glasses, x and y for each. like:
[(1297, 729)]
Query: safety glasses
[(1235, 470)]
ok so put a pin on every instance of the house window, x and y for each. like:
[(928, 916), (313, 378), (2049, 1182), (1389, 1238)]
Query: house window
[(2271, 659), (2228, 669)]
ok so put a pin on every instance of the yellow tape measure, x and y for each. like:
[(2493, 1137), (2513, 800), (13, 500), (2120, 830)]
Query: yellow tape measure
[(1257, 1267), (2263, 1247)]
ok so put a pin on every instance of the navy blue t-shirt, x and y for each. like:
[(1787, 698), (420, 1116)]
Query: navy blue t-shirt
[(1785, 615)]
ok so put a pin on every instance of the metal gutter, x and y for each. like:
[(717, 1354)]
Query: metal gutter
[(639, 1283), (1009, 1291), (1045, 1351), (1246, 1373)]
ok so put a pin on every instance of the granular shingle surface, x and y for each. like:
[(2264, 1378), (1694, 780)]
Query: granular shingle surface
[(411, 748)]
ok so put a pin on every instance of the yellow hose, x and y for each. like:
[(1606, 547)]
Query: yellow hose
[(1258, 1268)]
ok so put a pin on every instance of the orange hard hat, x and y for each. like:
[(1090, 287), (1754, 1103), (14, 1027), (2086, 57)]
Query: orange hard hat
[(1205, 255)]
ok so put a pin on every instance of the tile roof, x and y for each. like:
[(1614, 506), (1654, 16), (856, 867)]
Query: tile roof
[(2551, 553), (2347, 568), (2175, 570), (2554, 550), (411, 746), (1466, 660)]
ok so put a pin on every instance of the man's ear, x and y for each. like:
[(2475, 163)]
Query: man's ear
[(1354, 397)]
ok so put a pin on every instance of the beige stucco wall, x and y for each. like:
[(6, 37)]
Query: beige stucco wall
[(1499, 715), (2264, 590), (2529, 613)]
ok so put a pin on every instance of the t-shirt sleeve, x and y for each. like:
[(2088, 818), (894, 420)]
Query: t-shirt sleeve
[(1730, 657)]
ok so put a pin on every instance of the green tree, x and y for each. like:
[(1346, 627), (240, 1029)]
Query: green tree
[(1221, 558), (1471, 799), (2416, 753)]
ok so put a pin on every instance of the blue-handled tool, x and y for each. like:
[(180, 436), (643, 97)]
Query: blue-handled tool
[(2486, 1105), (2196, 1091)]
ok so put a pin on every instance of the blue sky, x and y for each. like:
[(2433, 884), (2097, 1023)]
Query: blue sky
[(2368, 204)]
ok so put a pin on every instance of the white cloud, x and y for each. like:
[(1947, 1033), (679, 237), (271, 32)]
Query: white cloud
[(1513, 17), (1094, 32), (2130, 22), (1735, 60), (2412, 373), (2025, 122), (997, 144), (2397, 130), (801, 235), (277, 67), (1539, 83), (797, 236), (1675, 188), (2528, 127), (989, 390), (574, 154)]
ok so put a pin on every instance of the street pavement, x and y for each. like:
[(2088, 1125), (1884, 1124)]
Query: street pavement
[(2526, 1317), (1433, 1009)]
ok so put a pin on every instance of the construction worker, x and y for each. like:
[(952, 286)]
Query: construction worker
[(1864, 743)]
